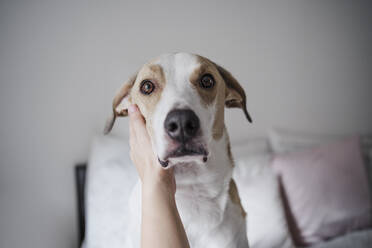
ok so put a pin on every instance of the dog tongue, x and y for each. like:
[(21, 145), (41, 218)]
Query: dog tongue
[(164, 164)]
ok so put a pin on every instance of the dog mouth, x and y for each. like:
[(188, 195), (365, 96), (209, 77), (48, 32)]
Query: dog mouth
[(184, 151)]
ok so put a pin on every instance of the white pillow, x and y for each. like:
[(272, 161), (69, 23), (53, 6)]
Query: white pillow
[(110, 179), (249, 146), (283, 140), (260, 197)]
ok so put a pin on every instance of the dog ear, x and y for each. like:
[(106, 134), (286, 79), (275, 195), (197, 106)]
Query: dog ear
[(120, 103), (235, 96)]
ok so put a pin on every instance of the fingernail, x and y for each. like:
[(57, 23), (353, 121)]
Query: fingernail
[(132, 108)]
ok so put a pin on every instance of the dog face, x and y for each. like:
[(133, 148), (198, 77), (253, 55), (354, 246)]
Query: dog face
[(182, 98)]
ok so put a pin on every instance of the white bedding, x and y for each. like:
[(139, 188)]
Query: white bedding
[(111, 177)]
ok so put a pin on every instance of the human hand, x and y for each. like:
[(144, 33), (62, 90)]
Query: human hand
[(142, 154)]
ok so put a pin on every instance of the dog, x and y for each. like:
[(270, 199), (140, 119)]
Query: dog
[(182, 97)]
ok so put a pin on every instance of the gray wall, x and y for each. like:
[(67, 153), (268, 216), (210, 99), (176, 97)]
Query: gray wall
[(305, 65)]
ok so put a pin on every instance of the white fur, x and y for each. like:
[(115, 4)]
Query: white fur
[(178, 93), (209, 216)]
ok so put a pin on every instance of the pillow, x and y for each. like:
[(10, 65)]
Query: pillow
[(325, 190), (110, 179), (259, 194), (282, 140), (243, 148)]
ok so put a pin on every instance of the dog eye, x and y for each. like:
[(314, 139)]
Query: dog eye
[(147, 87), (207, 81)]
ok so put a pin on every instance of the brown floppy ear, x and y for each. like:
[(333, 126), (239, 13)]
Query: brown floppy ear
[(120, 103), (235, 95)]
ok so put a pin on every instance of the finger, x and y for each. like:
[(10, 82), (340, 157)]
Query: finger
[(132, 134), (134, 113), (132, 138), (137, 121), (135, 116)]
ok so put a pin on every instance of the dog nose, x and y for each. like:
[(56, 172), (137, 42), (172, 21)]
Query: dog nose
[(181, 124)]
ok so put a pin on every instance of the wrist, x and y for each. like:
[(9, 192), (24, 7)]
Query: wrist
[(157, 186)]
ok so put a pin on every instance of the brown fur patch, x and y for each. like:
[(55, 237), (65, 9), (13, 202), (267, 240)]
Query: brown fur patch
[(148, 103), (216, 94), (234, 196), (207, 95), (229, 153), (228, 93), (219, 117), (130, 91)]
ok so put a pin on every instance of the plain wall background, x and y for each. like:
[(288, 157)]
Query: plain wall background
[(304, 64)]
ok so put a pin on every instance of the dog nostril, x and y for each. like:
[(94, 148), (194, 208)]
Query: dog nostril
[(190, 125), (172, 127)]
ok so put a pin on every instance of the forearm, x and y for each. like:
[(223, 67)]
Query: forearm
[(161, 224)]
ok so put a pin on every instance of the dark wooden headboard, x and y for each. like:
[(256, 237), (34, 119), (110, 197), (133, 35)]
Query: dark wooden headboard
[(80, 176)]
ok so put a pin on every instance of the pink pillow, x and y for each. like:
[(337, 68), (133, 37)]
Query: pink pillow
[(325, 191)]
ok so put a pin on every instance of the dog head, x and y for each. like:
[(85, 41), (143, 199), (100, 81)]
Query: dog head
[(182, 98)]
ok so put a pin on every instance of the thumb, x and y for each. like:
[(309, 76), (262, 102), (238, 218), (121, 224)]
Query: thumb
[(136, 118), (133, 111)]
